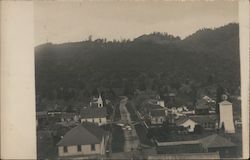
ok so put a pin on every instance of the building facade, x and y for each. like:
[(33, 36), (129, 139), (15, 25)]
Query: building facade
[(84, 140)]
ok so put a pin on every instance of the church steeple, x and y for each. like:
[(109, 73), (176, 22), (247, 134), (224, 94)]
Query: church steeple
[(100, 101)]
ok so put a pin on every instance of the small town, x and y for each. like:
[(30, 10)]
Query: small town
[(139, 80), (145, 126)]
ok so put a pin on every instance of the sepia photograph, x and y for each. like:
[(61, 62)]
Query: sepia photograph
[(137, 79)]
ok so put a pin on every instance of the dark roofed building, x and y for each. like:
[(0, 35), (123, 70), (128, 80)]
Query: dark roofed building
[(217, 143), (202, 107), (84, 140), (212, 155), (157, 117), (149, 106), (94, 115), (206, 121), (156, 114), (93, 112)]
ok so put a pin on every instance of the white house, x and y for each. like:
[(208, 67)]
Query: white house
[(187, 123), (94, 115), (85, 140), (208, 122), (161, 103), (226, 116)]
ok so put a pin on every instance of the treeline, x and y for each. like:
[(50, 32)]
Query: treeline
[(159, 62)]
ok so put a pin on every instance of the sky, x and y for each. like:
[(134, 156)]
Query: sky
[(70, 21)]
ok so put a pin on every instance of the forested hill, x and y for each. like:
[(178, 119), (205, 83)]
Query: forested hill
[(207, 57)]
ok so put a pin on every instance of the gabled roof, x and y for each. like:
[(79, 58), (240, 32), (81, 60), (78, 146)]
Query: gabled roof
[(203, 118), (197, 119), (151, 106), (85, 133), (158, 113), (93, 112), (210, 155), (215, 140), (182, 120)]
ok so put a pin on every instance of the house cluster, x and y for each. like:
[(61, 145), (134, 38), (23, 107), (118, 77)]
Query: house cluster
[(190, 131), (87, 139), (213, 143), (209, 120), (153, 112)]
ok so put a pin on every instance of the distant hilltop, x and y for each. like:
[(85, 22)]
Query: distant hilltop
[(207, 57)]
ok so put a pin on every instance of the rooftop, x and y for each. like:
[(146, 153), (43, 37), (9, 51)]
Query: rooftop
[(93, 112), (215, 140), (85, 133), (203, 118), (211, 155), (202, 104), (197, 119), (158, 113)]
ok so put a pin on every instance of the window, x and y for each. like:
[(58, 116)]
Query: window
[(100, 120), (65, 149), (79, 148), (92, 147), (93, 120)]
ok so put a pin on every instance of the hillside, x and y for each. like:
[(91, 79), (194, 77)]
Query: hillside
[(207, 57)]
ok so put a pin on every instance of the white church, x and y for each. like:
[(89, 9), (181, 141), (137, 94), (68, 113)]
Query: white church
[(95, 113), (96, 102)]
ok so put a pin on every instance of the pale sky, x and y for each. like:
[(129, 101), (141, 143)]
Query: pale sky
[(70, 21)]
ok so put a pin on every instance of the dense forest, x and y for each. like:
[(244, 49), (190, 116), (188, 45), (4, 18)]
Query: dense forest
[(195, 65)]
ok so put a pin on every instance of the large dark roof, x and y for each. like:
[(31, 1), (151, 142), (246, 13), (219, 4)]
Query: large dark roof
[(215, 140), (198, 119), (152, 106), (85, 133), (158, 113), (203, 118), (202, 104), (210, 155), (93, 112)]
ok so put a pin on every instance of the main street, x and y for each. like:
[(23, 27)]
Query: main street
[(131, 139)]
